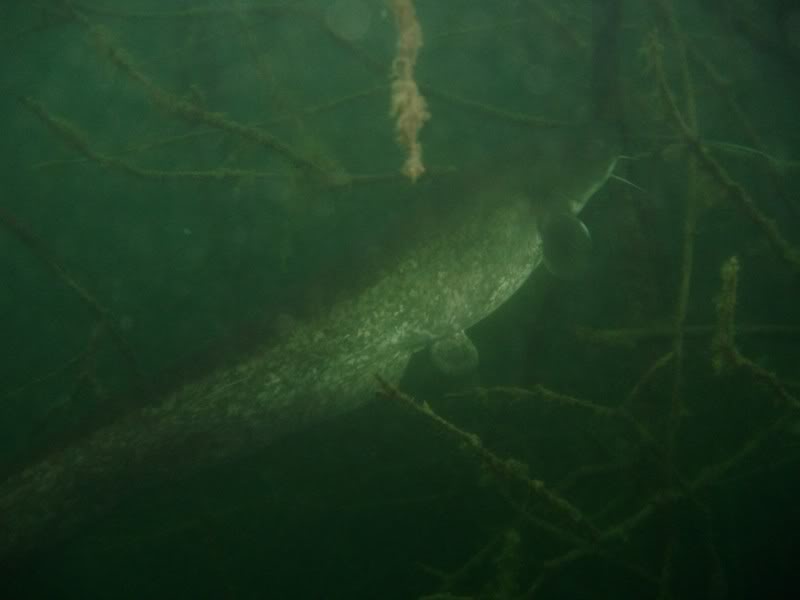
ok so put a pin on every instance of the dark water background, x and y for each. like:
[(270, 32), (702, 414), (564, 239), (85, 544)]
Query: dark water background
[(196, 271)]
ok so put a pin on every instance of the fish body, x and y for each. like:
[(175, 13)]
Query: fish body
[(481, 249)]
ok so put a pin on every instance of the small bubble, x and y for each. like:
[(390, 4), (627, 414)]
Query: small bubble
[(349, 18)]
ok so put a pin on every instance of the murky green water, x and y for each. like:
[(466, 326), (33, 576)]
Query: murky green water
[(192, 189)]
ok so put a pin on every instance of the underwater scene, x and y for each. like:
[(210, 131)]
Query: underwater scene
[(400, 299)]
